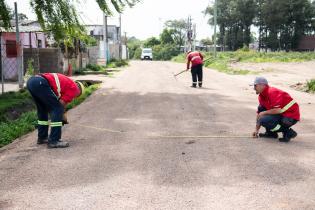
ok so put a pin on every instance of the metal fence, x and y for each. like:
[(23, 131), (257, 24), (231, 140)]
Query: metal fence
[(11, 65)]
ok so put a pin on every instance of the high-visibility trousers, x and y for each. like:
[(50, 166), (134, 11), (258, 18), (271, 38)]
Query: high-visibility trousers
[(275, 123), (196, 73), (46, 103)]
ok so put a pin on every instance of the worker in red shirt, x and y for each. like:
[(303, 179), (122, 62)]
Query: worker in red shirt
[(196, 60), (277, 112), (51, 93)]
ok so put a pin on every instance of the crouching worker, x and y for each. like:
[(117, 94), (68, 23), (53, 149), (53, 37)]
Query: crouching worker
[(51, 93), (277, 112)]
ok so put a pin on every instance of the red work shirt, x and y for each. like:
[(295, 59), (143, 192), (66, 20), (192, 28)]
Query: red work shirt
[(195, 58), (68, 88), (272, 98)]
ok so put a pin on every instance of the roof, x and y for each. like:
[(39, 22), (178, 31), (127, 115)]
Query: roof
[(24, 29), (24, 26), (99, 25)]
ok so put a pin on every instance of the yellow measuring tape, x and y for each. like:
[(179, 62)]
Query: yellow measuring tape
[(100, 129), (165, 137)]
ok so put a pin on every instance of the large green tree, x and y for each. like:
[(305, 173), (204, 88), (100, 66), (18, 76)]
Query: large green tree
[(178, 30), (166, 36), (281, 23)]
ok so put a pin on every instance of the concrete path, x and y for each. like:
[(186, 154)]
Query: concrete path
[(148, 141)]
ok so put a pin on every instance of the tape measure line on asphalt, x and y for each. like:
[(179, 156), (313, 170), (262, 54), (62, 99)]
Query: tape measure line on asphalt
[(100, 129), (164, 137), (182, 137)]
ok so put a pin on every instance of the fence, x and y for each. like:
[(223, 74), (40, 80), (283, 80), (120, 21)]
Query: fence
[(11, 65)]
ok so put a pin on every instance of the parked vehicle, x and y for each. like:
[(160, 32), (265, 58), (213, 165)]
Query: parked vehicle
[(147, 54)]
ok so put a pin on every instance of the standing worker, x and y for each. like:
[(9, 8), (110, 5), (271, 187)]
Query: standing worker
[(196, 60), (277, 112), (51, 93)]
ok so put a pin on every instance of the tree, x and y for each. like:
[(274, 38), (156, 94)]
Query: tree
[(178, 29), (206, 42), (134, 46), (166, 37), (281, 23), (60, 16), (150, 42)]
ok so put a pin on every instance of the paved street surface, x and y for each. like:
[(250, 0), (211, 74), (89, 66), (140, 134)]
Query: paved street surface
[(148, 141)]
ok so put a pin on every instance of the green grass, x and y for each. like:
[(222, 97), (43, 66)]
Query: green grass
[(311, 86), (117, 63), (12, 129), (221, 63), (88, 91), (93, 68)]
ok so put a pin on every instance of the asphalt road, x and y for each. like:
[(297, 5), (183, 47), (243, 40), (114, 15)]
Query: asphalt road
[(148, 141)]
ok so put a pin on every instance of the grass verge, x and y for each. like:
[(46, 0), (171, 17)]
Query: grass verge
[(25, 122), (223, 60), (98, 69)]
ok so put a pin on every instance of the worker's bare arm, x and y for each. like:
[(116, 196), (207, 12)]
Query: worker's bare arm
[(256, 132)]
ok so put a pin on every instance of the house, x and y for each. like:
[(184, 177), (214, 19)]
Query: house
[(113, 36), (307, 43), (31, 36), (97, 31)]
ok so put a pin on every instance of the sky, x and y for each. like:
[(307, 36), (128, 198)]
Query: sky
[(144, 20)]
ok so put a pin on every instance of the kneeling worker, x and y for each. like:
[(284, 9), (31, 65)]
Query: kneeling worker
[(51, 93), (277, 112)]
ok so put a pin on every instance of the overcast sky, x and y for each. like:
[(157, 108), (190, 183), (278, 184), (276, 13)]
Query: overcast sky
[(144, 20)]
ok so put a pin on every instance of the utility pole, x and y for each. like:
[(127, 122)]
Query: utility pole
[(2, 73), (105, 38), (19, 58), (189, 34), (120, 43), (194, 36), (126, 41), (215, 27)]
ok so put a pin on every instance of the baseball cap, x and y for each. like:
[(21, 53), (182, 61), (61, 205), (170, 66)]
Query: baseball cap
[(260, 81)]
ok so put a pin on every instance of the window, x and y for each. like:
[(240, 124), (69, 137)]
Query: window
[(39, 44), (11, 49)]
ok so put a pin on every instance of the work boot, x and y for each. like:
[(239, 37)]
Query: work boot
[(42, 140), (193, 86), (200, 84), (288, 135), (58, 144), (271, 135)]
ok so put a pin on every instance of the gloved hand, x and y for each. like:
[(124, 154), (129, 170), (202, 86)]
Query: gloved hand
[(64, 119)]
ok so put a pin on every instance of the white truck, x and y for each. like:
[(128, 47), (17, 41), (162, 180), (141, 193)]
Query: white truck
[(147, 54)]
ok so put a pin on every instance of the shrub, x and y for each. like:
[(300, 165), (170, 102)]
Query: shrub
[(311, 86)]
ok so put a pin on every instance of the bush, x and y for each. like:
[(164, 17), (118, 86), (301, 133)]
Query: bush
[(137, 54), (165, 52), (311, 86), (94, 67)]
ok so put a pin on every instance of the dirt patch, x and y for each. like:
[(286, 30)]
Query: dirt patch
[(305, 69), (300, 86), (15, 112), (90, 82)]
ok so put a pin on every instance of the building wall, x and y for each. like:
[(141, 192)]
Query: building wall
[(31, 39), (10, 65)]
